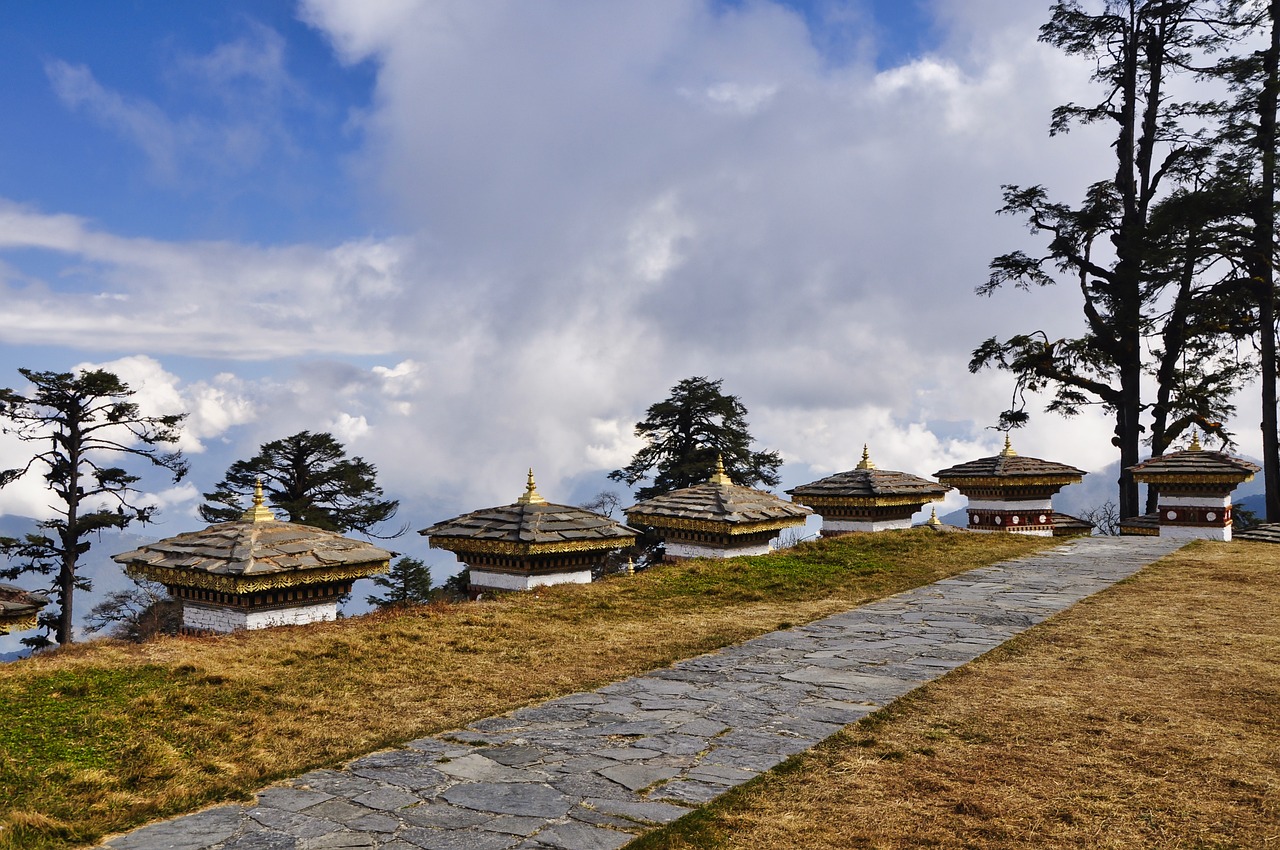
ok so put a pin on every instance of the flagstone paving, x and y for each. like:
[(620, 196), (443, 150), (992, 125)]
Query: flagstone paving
[(591, 771)]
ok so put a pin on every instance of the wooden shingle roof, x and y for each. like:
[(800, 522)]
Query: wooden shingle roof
[(1013, 467), (531, 525), (18, 607), (718, 503), (254, 552), (1195, 465), (867, 483)]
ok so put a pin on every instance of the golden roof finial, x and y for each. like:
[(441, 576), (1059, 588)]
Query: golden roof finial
[(1195, 441), (865, 463), (719, 477), (631, 566), (933, 521), (531, 496), (1008, 451), (259, 512)]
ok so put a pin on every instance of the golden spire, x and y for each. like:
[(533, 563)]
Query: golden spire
[(1195, 441), (631, 566), (1008, 451), (259, 512), (865, 463), (531, 496), (719, 476), (933, 521)]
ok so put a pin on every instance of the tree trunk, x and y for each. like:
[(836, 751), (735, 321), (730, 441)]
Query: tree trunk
[(1264, 275)]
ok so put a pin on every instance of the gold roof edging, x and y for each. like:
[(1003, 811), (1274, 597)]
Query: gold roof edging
[(238, 586), (29, 621), (506, 547), (715, 527)]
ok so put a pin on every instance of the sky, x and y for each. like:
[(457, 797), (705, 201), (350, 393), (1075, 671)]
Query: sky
[(470, 237)]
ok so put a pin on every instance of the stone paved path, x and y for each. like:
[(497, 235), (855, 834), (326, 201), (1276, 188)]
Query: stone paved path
[(592, 770)]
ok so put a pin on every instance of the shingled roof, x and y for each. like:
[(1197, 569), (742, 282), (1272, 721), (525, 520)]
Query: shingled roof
[(1008, 464), (867, 482), (252, 548), (718, 501), (18, 607), (1195, 465), (530, 525)]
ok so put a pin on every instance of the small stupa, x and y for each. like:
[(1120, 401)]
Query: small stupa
[(866, 498), (19, 609), (1012, 493), (255, 572), (1194, 488), (529, 543), (716, 519)]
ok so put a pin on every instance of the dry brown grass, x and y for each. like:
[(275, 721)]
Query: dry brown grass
[(1147, 716), (100, 738)]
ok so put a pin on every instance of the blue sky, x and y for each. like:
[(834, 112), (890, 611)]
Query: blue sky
[(474, 236)]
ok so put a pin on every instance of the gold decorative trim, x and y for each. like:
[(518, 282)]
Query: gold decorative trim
[(1007, 481), (252, 584), (1158, 478), (865, 501), (29, 621), (505, 547), (714, 527)]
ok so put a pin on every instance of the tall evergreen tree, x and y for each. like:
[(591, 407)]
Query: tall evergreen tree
[(686, 432), (1105, 244), (1247, 164), (88, 421), (311, 480), (407, 582)]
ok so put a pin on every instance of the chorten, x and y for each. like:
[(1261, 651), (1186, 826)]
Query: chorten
[(716, 519), (866, 498), (256, 572), (19, 609), (1009, 492), (530, 543), (1194, 488)]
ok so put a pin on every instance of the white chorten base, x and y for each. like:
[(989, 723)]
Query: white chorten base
[(215, 618), (1194, 532), (1029, 532), (507, 581), (689, 550), (833, 527)]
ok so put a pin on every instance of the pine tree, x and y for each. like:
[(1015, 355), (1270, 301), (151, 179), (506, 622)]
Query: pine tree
[(408, 582), (87, 420), (687, 432), (309, 478)]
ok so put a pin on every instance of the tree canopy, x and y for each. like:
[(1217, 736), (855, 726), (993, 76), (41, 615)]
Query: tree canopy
[(407, 582), (1144, 246), (87, 421), (309, 478), (684, 435)]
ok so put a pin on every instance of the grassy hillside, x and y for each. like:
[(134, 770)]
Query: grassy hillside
[(99, 738)]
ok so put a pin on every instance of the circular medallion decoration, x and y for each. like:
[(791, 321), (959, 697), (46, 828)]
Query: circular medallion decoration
[(998, 520), (1171, 515), (1043, 519), (1211, 516), (973, 519), (1016, 520)]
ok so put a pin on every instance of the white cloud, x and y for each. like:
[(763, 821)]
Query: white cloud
[(595, 201)]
